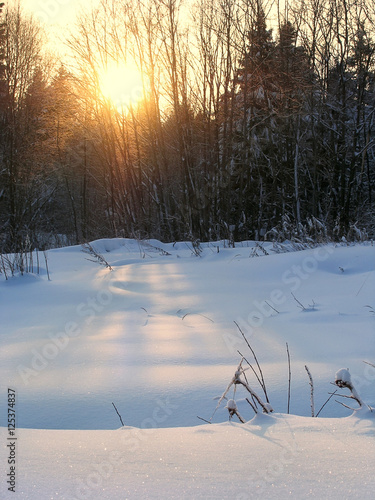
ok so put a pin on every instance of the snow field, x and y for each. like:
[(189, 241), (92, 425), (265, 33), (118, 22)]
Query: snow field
[(156, 336), (276, 456)]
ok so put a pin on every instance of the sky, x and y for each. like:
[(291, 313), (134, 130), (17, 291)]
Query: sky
[(61, 13), (58, 17), (56, 12)]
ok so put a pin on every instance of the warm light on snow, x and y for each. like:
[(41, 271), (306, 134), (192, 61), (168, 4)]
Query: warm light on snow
[(156, 337)]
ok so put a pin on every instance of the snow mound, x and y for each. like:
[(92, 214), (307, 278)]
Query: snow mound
[(273, 456)]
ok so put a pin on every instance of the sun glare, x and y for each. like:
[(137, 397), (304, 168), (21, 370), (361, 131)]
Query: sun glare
[(122, 85)]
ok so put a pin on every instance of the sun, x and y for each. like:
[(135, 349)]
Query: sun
[(123, 85)]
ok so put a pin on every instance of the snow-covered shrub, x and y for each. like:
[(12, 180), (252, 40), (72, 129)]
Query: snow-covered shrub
[(344, 381), (24, 261), (239, 378), (197, 249), (258, 250), (285, 230), (352, 235), (305, 235), (356, 234), (96, 256), (46, 241), (314, 231), (232, 409)]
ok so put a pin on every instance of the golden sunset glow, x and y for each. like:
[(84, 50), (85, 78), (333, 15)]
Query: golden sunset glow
[(122, 85)]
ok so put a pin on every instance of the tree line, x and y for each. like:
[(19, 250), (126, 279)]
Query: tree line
[(252, 115)]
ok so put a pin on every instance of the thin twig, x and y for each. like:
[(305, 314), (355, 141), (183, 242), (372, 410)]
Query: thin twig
[(233, 381), (344, 405), (331, 396), (31, 262), (266, 408), (298, 302), (312, 391), (198, 314), (204, 420), (4, 267), (89, 249), (276, 311), (242, 420), (359, 401), (255, 403), (363, 284), (290, 376), (114, 406), (255, 373), (45, 258), (252, 397), (252, 406), (346, 396), (263, 384)]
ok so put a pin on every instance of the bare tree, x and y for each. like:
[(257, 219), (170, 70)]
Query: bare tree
[(23, 79)]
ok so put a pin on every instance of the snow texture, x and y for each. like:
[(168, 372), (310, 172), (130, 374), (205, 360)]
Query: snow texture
[(156, 337)]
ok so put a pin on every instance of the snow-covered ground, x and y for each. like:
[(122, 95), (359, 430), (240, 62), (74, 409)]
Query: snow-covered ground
[(156, 336)]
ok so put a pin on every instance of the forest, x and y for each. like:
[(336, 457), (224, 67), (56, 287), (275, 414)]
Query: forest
[(252, 121)]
